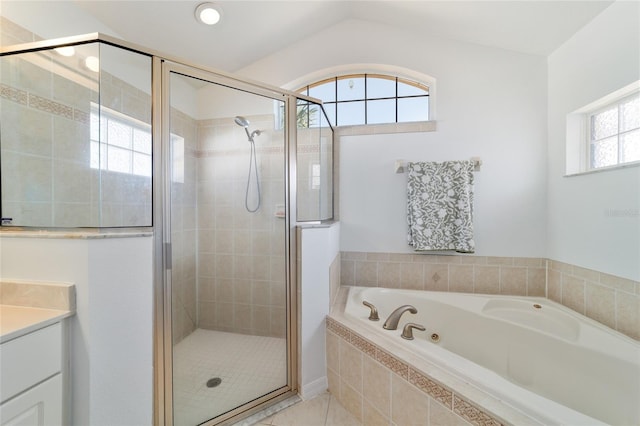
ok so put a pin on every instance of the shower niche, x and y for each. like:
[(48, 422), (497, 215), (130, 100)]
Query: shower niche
[(103, 134)]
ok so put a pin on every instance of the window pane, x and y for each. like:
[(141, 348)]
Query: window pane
[(94, 161), (604, 124), (119, 134), (383, 111), (302, 114), (142, 141), (630, 146), (381, 88), (350, 88), (405, 89), (413, 109), (94, 127), (630, 114), (177, 155), (141, 164), (119, 160), (330, 110), (326, 91), (350, 113), (604, 153)]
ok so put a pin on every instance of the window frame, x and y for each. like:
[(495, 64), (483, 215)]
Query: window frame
[(578, 137), (366, 100), (589, 131)]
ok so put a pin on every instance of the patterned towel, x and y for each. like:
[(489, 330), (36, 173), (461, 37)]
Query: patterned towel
[(440, 206)]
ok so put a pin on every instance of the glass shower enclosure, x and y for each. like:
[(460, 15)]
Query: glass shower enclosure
[(220, 169), (230, 284)]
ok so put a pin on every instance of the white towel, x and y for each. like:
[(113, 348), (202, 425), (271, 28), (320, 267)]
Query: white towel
[(440, 206)]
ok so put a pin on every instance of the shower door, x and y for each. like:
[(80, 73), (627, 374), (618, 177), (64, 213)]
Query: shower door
[(229, 348)]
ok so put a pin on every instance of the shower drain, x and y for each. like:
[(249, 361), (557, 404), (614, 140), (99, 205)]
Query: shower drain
[(212, 383)]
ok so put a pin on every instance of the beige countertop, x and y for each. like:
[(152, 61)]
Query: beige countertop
[(26, 306), (16, 321)]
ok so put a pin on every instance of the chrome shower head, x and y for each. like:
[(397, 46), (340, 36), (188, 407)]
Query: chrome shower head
[(241, 121)]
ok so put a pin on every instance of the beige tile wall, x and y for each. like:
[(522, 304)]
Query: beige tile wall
[(46, 176), (183, 233), (314, 147), (241, 271), (469, 274), (611, 300)]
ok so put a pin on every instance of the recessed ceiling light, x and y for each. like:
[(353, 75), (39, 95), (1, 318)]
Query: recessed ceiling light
[(208, 13), (66, 50)]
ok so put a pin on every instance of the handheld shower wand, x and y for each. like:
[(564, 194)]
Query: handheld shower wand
[(243, 122), (253, 164)]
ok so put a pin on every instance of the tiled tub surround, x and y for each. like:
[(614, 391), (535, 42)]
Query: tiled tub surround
[(537, 356), (381, 380), (379, 383), (611, 300)]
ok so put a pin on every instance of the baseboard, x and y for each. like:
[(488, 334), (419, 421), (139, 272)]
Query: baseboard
[(314, 388)]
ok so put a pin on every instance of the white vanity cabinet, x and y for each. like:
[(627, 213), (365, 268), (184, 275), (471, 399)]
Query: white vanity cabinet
[(31, 382)]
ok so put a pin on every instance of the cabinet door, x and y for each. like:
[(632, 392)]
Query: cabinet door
[(39, 406)]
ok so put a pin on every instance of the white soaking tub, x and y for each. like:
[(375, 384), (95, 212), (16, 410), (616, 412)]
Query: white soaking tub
[(535, 355)]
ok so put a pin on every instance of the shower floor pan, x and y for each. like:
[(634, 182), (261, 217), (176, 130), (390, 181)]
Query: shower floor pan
[(248, 367)]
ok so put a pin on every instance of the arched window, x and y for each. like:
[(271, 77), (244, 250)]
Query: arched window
[(357, 99)]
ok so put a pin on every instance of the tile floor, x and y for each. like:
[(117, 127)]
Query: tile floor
[(323, 410)]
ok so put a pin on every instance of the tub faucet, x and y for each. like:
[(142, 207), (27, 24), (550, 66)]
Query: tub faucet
[(373, 315), (392, 322), (407, 331)]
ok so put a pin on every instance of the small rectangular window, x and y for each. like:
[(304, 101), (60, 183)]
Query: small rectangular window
[(119, 143), (614, 133)]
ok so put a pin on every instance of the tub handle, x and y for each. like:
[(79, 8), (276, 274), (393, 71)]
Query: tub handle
[(373, 315), (407, 331)]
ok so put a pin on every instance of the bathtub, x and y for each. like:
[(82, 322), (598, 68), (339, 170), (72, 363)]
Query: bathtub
[(546, 361)]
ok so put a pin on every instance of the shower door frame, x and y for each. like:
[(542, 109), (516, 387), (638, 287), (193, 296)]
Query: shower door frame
[(162, 70)]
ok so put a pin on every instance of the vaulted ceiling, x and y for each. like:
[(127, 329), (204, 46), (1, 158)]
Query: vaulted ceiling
[(251, 30)]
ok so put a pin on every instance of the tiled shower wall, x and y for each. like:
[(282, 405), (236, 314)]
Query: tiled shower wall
[(47, 178), (241, 255), (183, 231), (611, 300)]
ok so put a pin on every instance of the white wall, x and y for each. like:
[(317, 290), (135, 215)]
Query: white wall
[(602, 57), (319, 248), (111, 334), (490, 103)]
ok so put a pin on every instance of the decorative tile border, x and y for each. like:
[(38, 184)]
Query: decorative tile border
[(19, 96), (472, 413), (50, 106), (392, 363), (430, 387)]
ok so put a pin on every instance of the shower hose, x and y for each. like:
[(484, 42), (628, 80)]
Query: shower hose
[(253, 165)]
